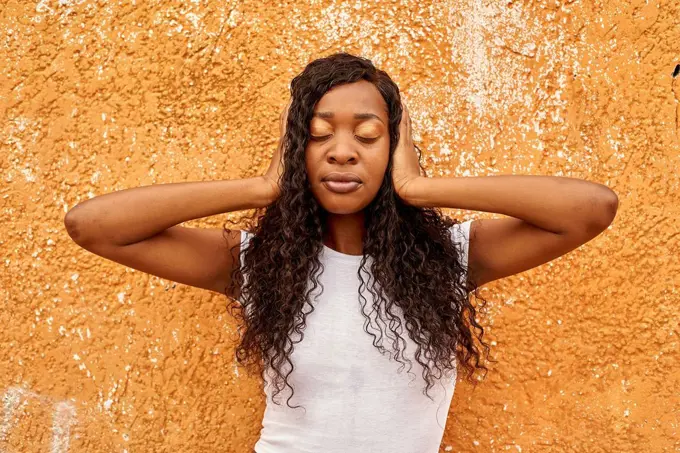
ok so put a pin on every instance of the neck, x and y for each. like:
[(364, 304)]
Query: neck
[(344, 233)]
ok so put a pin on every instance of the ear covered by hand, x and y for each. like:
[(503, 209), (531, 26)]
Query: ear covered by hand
[(405, 162), (275, 170)]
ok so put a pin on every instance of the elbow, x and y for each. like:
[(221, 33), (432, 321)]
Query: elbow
[(73, 226), (611, 206), (608, 207)]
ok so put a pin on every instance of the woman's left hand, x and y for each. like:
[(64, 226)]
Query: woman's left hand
[(405, 165)]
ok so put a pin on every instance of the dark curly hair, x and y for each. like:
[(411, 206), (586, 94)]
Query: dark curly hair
[(416, 264)]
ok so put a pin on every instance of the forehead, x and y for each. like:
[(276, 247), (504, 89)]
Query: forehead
[(357, 97)]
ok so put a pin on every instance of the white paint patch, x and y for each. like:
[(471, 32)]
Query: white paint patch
[(10, 402), (63, 416), (478, 44), (20, 159)]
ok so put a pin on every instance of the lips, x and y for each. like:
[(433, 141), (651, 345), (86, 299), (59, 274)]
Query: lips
[(341, 182), (341, 177)]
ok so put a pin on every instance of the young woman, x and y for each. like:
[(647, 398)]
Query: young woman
[(349, 250)]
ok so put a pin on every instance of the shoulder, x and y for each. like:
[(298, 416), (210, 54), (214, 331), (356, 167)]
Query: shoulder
[(461, 231), (245, 237), (460, 234)]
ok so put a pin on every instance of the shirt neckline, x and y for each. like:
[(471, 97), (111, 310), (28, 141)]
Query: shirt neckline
[(337, 256)]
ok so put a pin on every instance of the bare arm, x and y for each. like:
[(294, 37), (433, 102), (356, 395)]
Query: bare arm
[(139, 228), (549, 216), (132, 215)]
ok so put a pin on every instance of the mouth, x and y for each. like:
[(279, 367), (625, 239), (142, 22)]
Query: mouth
[(342, 186), (341, 182)]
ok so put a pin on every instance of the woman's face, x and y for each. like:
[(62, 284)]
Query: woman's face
[(349, 134)]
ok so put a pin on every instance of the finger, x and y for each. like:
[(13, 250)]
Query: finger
[(287, 109)]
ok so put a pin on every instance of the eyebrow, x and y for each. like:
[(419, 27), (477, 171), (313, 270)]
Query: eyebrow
[(357, 116)]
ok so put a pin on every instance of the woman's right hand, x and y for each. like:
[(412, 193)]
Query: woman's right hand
[(275, 170)]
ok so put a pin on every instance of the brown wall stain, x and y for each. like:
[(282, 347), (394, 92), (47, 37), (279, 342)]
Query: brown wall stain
[(102, 96)]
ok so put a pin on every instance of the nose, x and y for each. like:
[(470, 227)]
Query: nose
[(342, 153)]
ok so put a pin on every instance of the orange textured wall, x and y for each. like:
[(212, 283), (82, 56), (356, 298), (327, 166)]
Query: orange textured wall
[(102, 96)]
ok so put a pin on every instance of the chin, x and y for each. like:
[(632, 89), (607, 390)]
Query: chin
[(342, 208), (342, 204)]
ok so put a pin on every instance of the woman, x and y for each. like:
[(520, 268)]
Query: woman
[(349, 247)]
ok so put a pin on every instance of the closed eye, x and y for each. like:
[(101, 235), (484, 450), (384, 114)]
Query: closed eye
[(362, 139)]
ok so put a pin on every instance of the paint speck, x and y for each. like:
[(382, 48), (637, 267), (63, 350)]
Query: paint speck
[(42, 7), (194, 19), (28, 174)]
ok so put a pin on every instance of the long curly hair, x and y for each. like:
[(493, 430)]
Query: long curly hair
[(416, 265)]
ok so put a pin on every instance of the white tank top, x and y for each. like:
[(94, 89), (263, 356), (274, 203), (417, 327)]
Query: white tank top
[(356, 399)]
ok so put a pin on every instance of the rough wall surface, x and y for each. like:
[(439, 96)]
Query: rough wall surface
[(102, 96)]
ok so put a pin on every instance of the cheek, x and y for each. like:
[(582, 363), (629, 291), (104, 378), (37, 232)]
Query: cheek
[(379, 164)]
